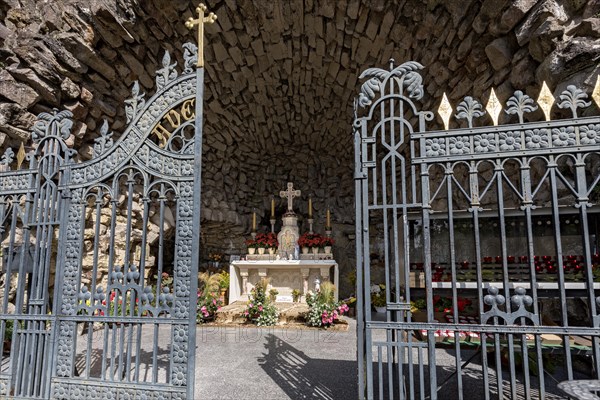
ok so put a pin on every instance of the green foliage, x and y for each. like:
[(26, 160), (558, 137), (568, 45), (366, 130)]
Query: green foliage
[(378, 295), (323, 310), (296, 295), (273, 294), (260, 309), (208, 296), (224, 280)]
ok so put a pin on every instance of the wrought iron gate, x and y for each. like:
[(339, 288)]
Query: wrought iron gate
[(100, 258), (485, 238)]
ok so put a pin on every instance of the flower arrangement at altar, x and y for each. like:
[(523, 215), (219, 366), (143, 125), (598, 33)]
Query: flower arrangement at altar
[(208, 296), (310, 240), (327, 241), (260, 310), (251, 244), (267, 240), (323, 310)]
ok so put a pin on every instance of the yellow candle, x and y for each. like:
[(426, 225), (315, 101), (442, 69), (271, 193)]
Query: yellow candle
[(309, 207), (254, 221), (273, 208), (328, 219)]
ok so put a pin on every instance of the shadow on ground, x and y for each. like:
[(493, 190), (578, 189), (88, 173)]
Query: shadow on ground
[(302, 377)]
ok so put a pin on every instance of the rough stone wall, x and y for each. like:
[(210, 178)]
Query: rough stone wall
[(281, 78)]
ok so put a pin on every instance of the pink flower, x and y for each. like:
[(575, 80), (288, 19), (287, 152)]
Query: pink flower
[(214, 302), (250, 305), (246, 313), (260, 308), (203, 309)]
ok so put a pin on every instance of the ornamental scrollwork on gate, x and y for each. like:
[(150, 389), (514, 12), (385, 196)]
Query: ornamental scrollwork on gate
[(135, 104), (479, 141), (70, 391), (573, 98), (468, 109), (410, 80), (190, 57), (520, 104), (519, 303), (104, 141), (167, 73)]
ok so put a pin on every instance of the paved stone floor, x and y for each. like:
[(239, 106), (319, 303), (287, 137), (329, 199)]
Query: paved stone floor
[(245, 362), (272, 363)]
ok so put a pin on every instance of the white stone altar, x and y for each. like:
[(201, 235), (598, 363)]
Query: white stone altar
[(288, 270), (284, 276)]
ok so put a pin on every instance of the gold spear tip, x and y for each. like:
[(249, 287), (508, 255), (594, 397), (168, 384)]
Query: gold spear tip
[(546, 100), (596, 92), (445, 111)]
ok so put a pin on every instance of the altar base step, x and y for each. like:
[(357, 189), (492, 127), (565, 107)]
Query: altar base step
[(288, 313)]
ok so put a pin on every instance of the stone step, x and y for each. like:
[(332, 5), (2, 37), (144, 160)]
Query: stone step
[(288, 313)]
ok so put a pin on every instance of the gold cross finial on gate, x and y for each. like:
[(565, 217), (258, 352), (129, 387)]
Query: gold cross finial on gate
[(200, 21)]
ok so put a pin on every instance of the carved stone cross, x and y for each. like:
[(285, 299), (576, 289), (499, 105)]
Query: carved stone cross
[(200, 21), (290, 193)]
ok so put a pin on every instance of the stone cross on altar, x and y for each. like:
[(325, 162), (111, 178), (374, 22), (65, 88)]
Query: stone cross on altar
[(290, 193)]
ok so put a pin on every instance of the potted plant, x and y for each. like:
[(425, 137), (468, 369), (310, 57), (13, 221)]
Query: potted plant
[(224, 285), (296, 295), (260, 310), (442, 306), (351, 303), (267, 241), (310, 241), (326, 243), (378, 299), (252, 245), (323, 310), (215, 259), (273, 295), (208, 298)]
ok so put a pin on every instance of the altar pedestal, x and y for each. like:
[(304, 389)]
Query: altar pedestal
[(285, 276)]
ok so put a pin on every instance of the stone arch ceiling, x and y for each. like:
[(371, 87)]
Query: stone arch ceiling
[(281, 77)]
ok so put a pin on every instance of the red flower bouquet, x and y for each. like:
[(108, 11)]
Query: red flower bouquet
[(310, 240), (267, 240)]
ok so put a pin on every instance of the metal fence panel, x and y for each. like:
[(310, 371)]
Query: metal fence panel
[(485, 238), (88, 320)]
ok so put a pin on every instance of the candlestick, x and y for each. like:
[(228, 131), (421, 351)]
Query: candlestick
[(309, 206), (254, 221), (272, 207), (328, 218)]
